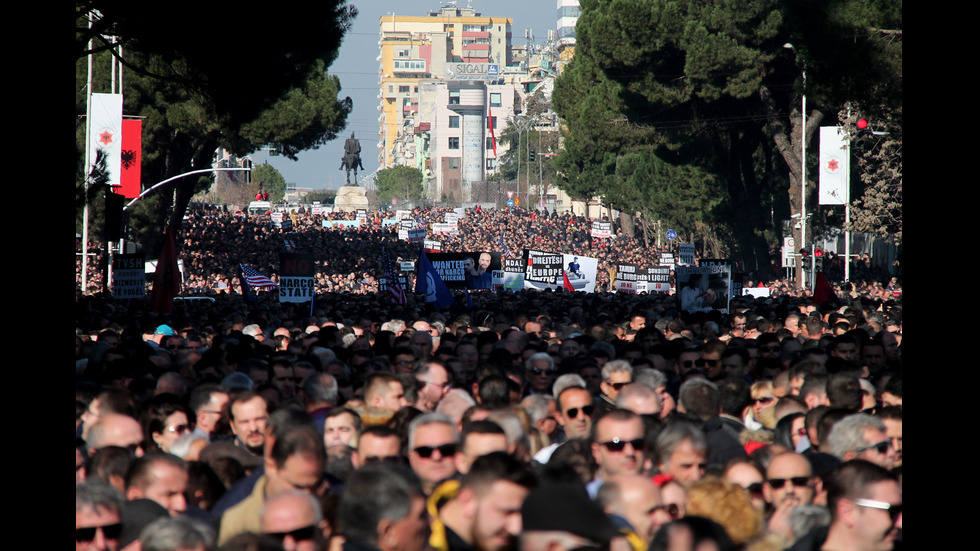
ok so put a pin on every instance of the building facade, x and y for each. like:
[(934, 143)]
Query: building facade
[(441, 78)]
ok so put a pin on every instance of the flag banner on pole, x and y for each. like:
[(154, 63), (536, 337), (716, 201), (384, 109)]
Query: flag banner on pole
[(255, 279), (394, 286), (131, 158), (166, 281), (105, 132)]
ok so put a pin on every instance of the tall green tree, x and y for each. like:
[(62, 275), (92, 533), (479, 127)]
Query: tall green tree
[(198, 88), (711, 86), (399, 182), (266, 177)]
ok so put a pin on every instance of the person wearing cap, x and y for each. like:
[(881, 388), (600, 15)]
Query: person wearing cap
[(158, 334), (562, 517)]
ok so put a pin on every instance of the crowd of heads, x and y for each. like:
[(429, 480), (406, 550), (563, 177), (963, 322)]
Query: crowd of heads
[(532, 420)]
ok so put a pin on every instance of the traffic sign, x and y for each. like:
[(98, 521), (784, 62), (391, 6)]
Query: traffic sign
[(671, 234), (510, 202), (510, 194)]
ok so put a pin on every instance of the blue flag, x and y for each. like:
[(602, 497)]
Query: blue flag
[(431, 284)]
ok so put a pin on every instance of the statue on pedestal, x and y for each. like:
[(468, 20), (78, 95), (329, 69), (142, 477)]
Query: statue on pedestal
[(352, 157)]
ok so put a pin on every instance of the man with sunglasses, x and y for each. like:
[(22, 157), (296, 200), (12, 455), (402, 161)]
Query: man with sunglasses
[(98, 516), (862, 436), (618, 446), (865, 503), (432, 445), (295, 519), (541, 372), (615, 375), (789, 484), (575, 408)]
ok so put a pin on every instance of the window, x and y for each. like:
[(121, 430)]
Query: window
[(454, 163), (490, 143), (495, 100), (403, 89), (454, 97), (391, 88), (402, 53), (491, 164), (453, 121), (453, 143), (491, 122)]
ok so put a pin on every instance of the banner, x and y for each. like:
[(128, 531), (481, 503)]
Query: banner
[(129, 275), (445, 228), (657, 279), (626, 279), (834, 160), (685, 254), (105, 133), (296, 277), (736, 279), (346, 224), (432, 245), (667, 259), (408, 232), (704, 288), (131, 157), (543, 270), (513, 279), (601, 230), (469, 270)]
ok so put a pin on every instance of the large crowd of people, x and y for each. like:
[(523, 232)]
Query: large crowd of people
[(532, 419)]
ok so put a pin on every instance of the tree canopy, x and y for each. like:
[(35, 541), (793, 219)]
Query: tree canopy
[(398, 182), (202, 76), (700, 101)]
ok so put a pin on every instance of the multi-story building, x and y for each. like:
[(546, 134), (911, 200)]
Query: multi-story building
[(568, 12), (442, 76)]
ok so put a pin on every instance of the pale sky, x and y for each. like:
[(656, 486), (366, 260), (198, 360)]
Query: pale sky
[(357, 67)]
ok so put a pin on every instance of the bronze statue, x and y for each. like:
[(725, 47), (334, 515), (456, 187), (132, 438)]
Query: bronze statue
[(352, 157)]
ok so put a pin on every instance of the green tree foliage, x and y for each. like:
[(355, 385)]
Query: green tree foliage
[(266, 177), (184, 80), (710, 86), (399, 182), (878, 208), (541, 171), (324, 196)]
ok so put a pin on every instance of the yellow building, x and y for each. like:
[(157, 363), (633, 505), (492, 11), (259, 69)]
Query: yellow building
[(417, 48)]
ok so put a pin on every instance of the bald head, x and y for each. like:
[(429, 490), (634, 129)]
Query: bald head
[(288, 511), (640, 399), (637, 499), (115, 429)]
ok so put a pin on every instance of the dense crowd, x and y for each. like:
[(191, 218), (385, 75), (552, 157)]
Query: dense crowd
[(532, 420), (213, 241)]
